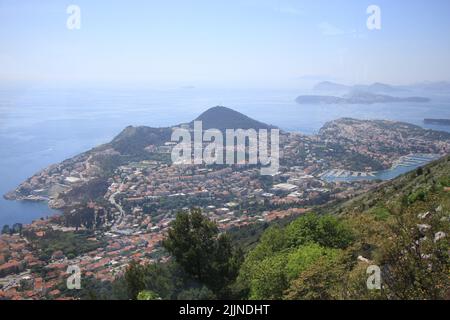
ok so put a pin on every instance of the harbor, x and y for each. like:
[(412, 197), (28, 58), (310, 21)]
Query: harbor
[(403, 165)]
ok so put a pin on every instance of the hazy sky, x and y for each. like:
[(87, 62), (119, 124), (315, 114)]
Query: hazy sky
[(230, 43)]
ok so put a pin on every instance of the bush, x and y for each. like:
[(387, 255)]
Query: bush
[(269, 279), (202, 293), (303, 257), (380, 213), (147, 295), (419, 195), (321, 280), (326, 230)]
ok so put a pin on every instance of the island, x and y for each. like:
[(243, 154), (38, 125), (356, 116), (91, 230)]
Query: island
[(357, 98)]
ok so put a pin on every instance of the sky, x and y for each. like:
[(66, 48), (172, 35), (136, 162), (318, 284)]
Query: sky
[(233, 44)]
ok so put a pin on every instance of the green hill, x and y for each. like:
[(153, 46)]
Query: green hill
[(133, 140), (402, 227)]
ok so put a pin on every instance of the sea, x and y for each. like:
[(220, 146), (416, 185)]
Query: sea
[(40, 125)]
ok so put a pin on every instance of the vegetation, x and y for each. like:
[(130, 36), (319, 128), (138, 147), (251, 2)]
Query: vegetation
[(147, 295), (283, 254), (208, 257), (71, 244), (402, 227), (16, 228), (204, 263), (133, 140)]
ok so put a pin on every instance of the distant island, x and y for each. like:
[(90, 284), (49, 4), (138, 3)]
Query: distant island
[(329, 87), (332, 87), (441, 122), (357, 98)]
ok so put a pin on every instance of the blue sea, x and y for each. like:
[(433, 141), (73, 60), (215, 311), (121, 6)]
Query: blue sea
[(40, 126)]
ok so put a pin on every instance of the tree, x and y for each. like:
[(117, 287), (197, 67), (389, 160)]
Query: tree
[(195, 243), (328, 231), (202, 293), (269, 279), (305, 256), (6, 229), (321, 280), (163, 278), (17, 228), (419, 171), (272, 241), (271, 276), (283, 254), (191, 240), (134, 279)]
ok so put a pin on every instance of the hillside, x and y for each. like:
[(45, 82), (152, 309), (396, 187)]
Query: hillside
[(402, 227), (135, 139)]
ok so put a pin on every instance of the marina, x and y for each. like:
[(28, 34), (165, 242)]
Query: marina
[(403, 165)]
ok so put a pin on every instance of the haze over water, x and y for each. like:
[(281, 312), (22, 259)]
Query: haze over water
[(43, 126)]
